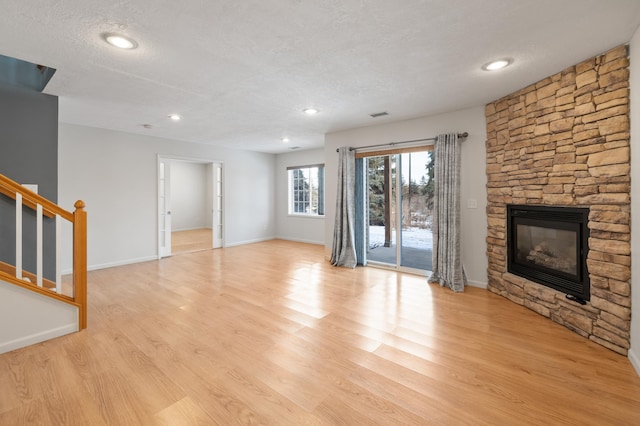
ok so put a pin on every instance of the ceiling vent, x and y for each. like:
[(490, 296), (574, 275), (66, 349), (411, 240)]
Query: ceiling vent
[(295, 147), (379, 114)]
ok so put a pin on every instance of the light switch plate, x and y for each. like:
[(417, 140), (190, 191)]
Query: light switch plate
[(472, 203)]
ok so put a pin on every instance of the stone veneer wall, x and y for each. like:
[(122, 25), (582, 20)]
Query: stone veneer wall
[(564, 141)]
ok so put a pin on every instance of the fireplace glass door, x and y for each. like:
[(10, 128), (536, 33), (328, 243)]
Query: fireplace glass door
[(549, 245), (548, 248)]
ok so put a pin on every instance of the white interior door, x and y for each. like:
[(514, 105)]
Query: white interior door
[(217, 206), (164, 208)]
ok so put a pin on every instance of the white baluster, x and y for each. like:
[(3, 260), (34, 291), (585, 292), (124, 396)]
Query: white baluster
[(19, 236), (58, 254), (39, 244)]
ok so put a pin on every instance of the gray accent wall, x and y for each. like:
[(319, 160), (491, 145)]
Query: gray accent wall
[(28, 154)]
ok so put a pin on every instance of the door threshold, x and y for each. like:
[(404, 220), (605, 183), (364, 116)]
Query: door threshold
[(381, 265)]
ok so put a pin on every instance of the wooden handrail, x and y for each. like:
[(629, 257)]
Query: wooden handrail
[(78, 218), (30, 199)]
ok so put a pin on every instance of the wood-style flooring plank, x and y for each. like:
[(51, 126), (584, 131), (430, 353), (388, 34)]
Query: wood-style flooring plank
[(271, 333), (191, 241), (273, 406), (184, 413), (30, 413)]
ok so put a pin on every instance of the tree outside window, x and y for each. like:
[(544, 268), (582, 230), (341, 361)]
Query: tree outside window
[(306, 190)]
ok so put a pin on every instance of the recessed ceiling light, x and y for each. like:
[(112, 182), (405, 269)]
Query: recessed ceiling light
[(175, 117), (311, 111), (120, 41), (497, 65), (286, 140)]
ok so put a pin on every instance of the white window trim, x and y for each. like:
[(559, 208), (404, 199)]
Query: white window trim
[(290, 206)]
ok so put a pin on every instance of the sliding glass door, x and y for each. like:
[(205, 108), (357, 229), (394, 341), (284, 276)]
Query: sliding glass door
[(381, 185), (400, 202)]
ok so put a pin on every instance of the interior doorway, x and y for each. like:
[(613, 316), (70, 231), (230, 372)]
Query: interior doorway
[(190, 205), (399, 199)]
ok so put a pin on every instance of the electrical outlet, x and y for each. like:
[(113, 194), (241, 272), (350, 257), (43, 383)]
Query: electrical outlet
[(472, 203)]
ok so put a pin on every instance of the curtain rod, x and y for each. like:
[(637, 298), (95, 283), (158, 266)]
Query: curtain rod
[(460, 135)]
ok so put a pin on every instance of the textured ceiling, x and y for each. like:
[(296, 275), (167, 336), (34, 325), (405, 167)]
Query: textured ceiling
[(240, 72)]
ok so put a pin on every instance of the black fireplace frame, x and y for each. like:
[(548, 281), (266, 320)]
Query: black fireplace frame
[(562, 218)]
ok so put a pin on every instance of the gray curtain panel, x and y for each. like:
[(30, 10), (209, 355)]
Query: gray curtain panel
[(343, 252), (447, 260)]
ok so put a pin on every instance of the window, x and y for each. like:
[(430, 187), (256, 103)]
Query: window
[(306, 190)]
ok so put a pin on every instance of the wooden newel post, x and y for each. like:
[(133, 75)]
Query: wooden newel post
[(80, 261)]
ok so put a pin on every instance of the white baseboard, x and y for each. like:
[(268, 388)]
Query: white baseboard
[(155, 257), (241, 243), (298, 240), (121, 263), (37, 338), (113, 264), (635, 360), (478, 284)]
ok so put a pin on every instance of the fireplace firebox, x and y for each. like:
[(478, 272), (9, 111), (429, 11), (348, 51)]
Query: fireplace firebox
[(549, 245)]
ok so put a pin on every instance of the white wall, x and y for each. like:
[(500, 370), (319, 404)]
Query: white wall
[(189, 196), (634, 352), (296, 228), (27, 318), (115, 173), (474, 221)]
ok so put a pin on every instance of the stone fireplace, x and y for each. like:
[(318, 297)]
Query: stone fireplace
[(550, 245), (563, 142)]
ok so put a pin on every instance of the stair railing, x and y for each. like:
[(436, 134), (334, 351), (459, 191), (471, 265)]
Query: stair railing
[(15, 274)]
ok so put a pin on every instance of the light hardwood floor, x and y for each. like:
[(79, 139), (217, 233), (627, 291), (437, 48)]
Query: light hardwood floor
[(271, 333), (191, 241)]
